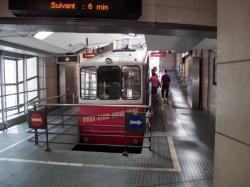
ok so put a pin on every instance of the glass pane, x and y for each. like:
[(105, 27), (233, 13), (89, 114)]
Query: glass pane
[(131, 85), (13, 116), (11, 112), (20, 70), (11, 100), (32, 84), (30, 107), (10, 71), (21, 109), (21, 98), (20, 87), (32, 95), (88, 83), (10, 89), (31, 67), (109, 82)]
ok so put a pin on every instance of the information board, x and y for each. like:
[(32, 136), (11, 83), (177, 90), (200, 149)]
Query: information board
[(108, 9)]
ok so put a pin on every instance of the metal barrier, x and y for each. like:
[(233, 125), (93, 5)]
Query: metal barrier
[(5, 118), (67, 116)]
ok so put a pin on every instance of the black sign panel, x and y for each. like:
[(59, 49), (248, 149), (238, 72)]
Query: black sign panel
[(108, 9), (67, 59)]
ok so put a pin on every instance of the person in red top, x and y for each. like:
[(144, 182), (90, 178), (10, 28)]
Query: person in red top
[(154, 85), (165, 82)]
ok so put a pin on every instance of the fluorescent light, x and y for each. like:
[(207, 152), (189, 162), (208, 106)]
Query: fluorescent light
[(132, 34), (42, 35)]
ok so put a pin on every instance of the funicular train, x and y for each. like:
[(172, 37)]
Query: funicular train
[(110, 85)]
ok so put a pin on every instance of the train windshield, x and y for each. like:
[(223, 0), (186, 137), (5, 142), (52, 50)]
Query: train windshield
[(109, 81), (131, 82)]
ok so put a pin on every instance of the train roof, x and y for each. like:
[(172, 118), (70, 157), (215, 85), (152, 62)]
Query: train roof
[(118, 57)]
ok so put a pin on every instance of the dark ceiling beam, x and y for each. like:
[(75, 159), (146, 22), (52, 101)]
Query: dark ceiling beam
[(106, 26)]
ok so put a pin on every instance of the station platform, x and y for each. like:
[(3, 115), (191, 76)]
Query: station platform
[(182, 155)]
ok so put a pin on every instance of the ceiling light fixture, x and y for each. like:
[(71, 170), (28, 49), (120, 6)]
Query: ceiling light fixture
[(42, 35), (132, 34)]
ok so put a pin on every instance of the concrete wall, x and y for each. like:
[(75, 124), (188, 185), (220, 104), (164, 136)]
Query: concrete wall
[(168, 62), (232, 138), (197, 12)]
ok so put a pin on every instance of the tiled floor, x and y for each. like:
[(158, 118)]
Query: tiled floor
[(176, 129)]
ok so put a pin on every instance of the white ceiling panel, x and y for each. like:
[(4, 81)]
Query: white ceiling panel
[(76, 41)]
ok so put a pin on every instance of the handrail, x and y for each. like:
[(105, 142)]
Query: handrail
[(84, 104), (60, 123), (46, 99)]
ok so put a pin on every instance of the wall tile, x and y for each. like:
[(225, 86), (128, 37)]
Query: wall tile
[(233, 30), (232, 166), (233, 103)]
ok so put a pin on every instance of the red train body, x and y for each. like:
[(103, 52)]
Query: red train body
[(110, 86)]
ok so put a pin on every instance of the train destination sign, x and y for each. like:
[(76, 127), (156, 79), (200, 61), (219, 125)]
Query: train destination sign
[(158, 54), (88, 55), (107, 9)]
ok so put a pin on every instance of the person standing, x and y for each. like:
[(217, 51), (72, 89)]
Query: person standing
[(165, 82), (154, 86)]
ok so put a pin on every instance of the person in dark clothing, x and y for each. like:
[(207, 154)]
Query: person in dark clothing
[(114, 91), (165, 82)]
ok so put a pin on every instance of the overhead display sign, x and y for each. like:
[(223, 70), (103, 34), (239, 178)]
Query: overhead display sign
[(108, 9), (67, 59), (88, 55), (158, 54)]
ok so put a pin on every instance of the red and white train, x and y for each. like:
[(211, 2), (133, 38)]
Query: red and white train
[(110, 85)]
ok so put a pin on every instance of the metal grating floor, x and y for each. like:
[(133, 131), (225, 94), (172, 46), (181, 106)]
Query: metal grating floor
[(190, 133)]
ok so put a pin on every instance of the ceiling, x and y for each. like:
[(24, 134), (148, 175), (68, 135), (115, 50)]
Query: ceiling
[(61, 42), (71, 35)]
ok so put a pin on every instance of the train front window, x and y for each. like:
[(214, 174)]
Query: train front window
[(131, 82), (88, 83), (109, 82)]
